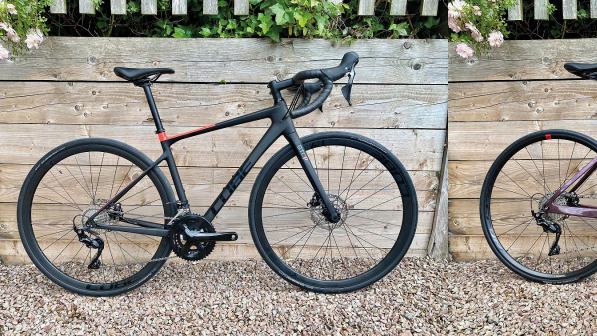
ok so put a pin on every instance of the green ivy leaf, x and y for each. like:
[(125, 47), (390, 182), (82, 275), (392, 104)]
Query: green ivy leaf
[(431, 22), (400, 29), (182, 33), (274, 33)]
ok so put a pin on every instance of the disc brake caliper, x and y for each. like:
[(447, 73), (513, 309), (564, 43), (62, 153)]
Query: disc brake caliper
[(549, 227)]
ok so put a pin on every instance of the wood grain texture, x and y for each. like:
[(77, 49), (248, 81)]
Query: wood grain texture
[(569, 9), (241, 7), (398, 7), (486, 140), (515, 14), (233, 60), (522, 100), (438, 241), (541, 10), (366, 7), (593, 9), (86, 7), (179, 7), (59, 7), (521, 60), (210, 7), (149, 7), (224, 148), (429, 7), (118, 7), (387, 106)]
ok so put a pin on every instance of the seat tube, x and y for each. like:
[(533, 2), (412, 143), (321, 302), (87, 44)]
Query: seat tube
[(154, 111)]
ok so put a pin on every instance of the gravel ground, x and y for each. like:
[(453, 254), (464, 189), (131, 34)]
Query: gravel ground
[(245, 298)]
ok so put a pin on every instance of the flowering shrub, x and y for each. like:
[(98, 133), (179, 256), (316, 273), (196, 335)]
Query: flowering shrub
[(22, 26), (478, 25)]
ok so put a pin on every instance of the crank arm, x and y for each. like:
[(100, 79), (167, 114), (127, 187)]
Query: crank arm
[(215, 236)]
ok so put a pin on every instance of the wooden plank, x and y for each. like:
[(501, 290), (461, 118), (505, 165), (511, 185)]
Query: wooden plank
[(593, 9), (366, 7), (429, 7), (541, 10), (569, 9), (213, 60), (387, 106), (515, 14), (398, 8), (179, 7), (224, 148), (486, 140), (466, 178), (149, 7), (438, 241), (86, 7), (522, 100), (521, 60), (241, 7), (59, 7), (210, 7), (118, 7)]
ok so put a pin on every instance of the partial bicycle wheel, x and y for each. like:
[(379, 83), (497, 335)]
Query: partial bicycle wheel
[(557, 248), (70, 184), (369, 188)]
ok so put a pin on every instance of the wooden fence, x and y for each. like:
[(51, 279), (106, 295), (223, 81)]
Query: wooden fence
[(66, 90), (520, 89), (569, 10), (241, 7)]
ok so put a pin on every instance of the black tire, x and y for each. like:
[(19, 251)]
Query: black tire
[(508, 198), (49, 184), (393, 227)]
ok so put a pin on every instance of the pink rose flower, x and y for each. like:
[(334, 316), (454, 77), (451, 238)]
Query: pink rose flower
[(464, 50), (477, 10), (11, 9), (3, 53), (12, 35), (475, 33), (454, 25), (496, 38), (3, 25), (34, 38), (454, 8)]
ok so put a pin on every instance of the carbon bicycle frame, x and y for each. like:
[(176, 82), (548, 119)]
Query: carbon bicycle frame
[(580, 210), (281, 124)]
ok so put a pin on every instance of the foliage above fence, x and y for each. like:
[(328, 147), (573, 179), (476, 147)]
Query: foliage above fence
[(271, 18)]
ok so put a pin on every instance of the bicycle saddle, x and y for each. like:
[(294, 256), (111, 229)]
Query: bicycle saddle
[(588, 71), (131, 74)]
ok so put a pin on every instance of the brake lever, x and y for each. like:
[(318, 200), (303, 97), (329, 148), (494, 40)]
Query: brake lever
[(348, 87)]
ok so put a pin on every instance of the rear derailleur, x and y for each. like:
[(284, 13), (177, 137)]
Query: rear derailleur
[(92, 243), (549, 227)]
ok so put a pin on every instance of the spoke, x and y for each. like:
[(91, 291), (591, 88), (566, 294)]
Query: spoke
[(381, 172), (75, 204), (517, 225), (77, 180), (100, 173), (312, 227), (544, 183), (292, 170), (114, 178), (515, 183), (59, 254), (518, 237), (291, 189), (341, 171), (90, 192)]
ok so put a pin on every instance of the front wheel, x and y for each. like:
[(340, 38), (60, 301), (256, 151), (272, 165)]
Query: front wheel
[(371, 191)]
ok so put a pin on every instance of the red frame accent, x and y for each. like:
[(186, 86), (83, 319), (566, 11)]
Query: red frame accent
[(163, 137), (548, 136)]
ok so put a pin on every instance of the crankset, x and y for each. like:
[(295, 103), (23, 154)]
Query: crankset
[(549, 227), (193, 237)]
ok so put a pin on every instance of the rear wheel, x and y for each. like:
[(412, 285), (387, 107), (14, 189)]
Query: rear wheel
[(70, 184), (369, 188), (557, 248)]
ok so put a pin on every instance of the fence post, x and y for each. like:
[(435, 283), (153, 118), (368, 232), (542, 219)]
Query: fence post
[(438, 241), (515, 14), (569, 9), (429, 7), (60, 7), (118, 7), (86, 7), (179, 7), (398, 7), (210, 7), (241, 7), (366, 7), (149, 7), (541, 9)]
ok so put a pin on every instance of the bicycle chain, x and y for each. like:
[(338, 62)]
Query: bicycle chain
[(178, 214)]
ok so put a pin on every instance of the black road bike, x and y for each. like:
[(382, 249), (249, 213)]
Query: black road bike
[(331, 212)]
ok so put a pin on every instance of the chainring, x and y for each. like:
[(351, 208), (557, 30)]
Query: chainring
[(180, 242)]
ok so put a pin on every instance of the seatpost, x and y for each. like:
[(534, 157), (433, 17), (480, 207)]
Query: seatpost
[(146, 85)]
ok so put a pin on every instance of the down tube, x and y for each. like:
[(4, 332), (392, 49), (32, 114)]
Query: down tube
[(272, 134)]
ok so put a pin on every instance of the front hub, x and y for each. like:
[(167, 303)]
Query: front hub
[(320, 215)]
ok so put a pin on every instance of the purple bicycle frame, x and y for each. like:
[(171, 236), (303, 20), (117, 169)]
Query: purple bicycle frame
[(581, 210)]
